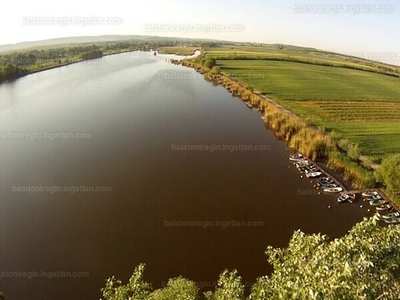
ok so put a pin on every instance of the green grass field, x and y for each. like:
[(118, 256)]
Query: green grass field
[(364, 106)]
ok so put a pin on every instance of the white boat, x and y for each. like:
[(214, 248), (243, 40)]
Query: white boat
[(336, 189), (392, 220), (328, 185), (312, 170), (371, 194), (384, 207), (325, 180), (313, 174), (376, 197), (391, 215), (302, 163), (342, 198), (347, 197), (296, 157)]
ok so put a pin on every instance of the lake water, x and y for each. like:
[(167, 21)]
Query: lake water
[(128, 117)]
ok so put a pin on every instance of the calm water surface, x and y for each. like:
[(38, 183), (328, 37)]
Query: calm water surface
[(136, 109)]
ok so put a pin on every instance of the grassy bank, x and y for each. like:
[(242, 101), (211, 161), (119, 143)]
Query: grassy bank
[(300, 134), (184, 51)]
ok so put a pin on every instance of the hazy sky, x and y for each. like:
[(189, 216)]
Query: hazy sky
[(341, 26)]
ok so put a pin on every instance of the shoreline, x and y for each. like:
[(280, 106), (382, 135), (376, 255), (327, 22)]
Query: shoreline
[(220, 81), (63, 65), (83, 60)]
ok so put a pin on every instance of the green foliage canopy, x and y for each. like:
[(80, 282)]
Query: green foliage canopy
[(359, 265)]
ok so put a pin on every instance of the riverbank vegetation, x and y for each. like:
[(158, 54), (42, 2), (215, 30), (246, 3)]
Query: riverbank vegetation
[(22, 62), (389, 175), (336, 113), (359, 265)]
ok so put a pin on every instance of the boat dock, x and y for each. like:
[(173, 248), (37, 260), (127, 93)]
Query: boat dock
[(352, 191), (327, 174)]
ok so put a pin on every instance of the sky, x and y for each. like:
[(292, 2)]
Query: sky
[(368, 28)]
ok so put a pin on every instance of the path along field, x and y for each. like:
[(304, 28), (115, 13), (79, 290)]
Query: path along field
[(364, 106)]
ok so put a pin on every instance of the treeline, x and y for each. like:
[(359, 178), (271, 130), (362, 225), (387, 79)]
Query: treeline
[(28, 58), (10, 71), (92, 54), (20, 63)]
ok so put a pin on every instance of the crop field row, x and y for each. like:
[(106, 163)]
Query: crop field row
[(354, 111), (281, 80), (375, 139), (299, 54), (363, 106)]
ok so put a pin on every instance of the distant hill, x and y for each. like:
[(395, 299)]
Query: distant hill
[(92, 39)]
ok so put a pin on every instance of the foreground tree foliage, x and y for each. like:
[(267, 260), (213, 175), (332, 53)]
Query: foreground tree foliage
[(360, 265)]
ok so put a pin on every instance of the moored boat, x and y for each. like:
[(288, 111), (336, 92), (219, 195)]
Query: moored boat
[(392, 220), (313, 174), (384, 207), (314, 170), (326, 185), (367, 194), (376, 197), (347, 197), (377, 202), (343, 198), (307, 167), (371, 195), (391, 215), (296, 157), (325, 178), (333, 189), (351, 198), (302, 163)]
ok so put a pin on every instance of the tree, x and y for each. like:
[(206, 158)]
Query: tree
[(353, 151), (178, 289), (389, 173), (229, 287), (359, 265), (208, 62), (344, 144), (135, 289)]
